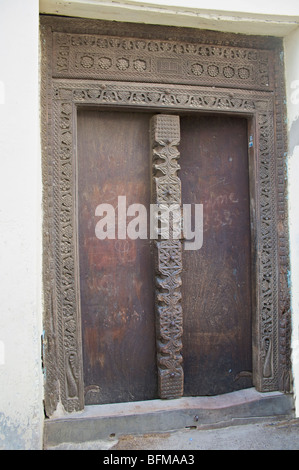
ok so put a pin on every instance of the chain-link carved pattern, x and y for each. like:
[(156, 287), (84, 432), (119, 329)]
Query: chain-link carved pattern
[(165, 132)]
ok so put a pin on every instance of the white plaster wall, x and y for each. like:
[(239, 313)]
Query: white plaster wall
[(273, 7), (247, 17), (21, 413), (292, 88)]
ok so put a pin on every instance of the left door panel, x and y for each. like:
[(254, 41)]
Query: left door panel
[(116, 275)]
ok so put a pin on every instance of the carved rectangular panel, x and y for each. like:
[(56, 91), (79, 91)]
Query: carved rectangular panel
[(165, 132), (110, 58), (216, 279)]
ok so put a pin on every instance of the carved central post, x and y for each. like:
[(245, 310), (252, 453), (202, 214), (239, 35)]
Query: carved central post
[(166, 196)]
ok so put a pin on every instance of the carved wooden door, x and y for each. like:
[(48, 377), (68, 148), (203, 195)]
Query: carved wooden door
[(151, 318), (158, 320)]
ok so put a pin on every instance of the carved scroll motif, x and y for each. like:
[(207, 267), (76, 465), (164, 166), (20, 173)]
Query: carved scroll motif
[(165, 132)]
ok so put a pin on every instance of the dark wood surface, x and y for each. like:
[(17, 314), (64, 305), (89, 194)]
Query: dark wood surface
[(116, 276), (216, 294)]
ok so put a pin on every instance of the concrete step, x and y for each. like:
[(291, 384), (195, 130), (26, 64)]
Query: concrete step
[(107, 423)]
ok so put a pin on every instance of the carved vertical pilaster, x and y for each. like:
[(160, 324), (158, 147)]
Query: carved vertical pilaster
[(166, 192)]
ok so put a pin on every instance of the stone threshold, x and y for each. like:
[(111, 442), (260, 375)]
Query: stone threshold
[(101, 422)]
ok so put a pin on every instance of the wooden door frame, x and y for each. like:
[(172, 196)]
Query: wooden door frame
[(80, 59)]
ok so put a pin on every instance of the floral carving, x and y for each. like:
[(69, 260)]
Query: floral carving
[(139, 65), (228, 71), (122, 64), (105, 63), (213, 70), (244, 73), (197, 69), (87, 61)]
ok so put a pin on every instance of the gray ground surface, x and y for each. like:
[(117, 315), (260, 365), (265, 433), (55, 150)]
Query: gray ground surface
[(264, 435)]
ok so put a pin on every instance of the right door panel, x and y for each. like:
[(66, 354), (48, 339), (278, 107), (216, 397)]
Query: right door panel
[(216, 287)]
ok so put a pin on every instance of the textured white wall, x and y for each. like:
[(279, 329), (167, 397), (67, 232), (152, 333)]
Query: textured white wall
[(292, 87), (21, 413)]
